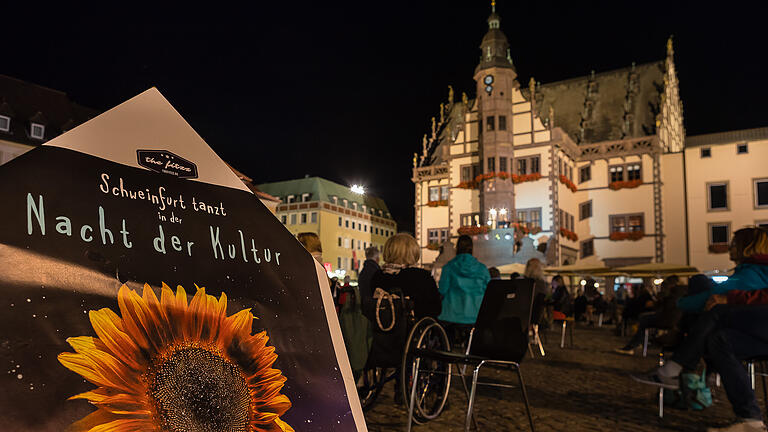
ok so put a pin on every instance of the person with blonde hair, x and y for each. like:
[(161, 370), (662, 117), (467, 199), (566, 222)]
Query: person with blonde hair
[(400, 270), (312, 244), (535, 271)]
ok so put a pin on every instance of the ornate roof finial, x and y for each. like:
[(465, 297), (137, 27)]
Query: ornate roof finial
[(434, 128), (493, 6), (551, 116), (442, 113), (415, 157), (450, 95), (465, 99), (670, 49), (532, 86)]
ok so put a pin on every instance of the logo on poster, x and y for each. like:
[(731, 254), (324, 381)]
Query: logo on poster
[(165, 162)]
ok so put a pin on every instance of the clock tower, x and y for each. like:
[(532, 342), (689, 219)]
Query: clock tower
[(495, 76)]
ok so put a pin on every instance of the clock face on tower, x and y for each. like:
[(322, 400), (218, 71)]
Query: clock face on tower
[(488, 79), (488, 89)]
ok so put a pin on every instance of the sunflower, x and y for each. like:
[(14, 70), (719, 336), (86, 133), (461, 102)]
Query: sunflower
[(168, 366)]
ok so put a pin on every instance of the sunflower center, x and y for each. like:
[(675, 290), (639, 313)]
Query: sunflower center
[(195, 390)]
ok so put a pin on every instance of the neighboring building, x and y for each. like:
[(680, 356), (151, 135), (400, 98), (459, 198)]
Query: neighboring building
[(268, 200), (590, 167), (31, 115), (346, 222)]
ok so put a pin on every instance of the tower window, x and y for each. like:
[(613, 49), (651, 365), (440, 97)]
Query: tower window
[(491, 164), (502, 161), (742, 149), (502, 121), (706, 152), (5, 123), (37, 131), (490, 123)]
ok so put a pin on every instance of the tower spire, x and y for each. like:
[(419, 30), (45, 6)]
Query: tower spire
[(493, 6)]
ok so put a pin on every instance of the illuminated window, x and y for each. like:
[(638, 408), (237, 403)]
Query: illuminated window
[(633, 172), (5, 123), (37, 131), (617, 173), (627, 223)]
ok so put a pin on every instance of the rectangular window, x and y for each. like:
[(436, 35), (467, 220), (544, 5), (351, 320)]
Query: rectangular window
[(470, 219), (303, 218), (346, 223), (434, 193), (719, 234), (283, 219), (338, 262), (761, 193), (293, 219), (717, 194), (627, 223), (5, 123), (491, 164), (490, 123), (633, 172), (585, 174), (313, 217), (290, 199), (339, 220), (742, 149), (535, 165), (706, 152), (573, 223), (617, 173), (353, 224), (503, 164), (587, 248), (502, 122), (37, 131), (529, 217), (346, 243), (521, 166), (585, 210), (445, 192), (339, 241), (466, 173), (762, 224), (365, 228), (304, 197), (433, 236)]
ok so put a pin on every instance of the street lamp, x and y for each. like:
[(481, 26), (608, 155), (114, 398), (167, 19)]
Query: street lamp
[(358, 189)]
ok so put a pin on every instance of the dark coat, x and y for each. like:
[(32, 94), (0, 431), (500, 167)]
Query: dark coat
[(370, 268), (415, 283)]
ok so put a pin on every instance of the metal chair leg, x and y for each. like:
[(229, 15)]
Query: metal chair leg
[(537, 339), (562, 335), (751, 371), (525, 397), (600, 320), (762, 379), (645, 342), (470, 407), (466, 393), (572, 328), (412, 403), (661, 390)]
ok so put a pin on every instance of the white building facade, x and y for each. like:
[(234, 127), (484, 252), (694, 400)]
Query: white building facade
[(595, 167)]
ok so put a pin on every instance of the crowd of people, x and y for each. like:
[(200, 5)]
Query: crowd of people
[(701, 322)]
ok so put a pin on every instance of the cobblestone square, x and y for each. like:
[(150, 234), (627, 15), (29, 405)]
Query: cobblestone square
[(586, 388)]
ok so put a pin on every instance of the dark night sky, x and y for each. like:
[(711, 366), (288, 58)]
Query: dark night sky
[(345, 91)]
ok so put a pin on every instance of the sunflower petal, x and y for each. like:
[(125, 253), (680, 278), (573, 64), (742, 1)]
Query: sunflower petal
[(115, 339), (284, 427), (131, 320), (94, 373)]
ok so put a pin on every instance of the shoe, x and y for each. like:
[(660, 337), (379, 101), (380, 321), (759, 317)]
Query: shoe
[(654, 379), (625, 351), (742, 426)]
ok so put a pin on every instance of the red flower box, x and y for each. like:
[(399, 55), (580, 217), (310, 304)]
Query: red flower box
[(437, 203), (525, 177), (471, 184), (570, 235), (568, 183), (472, 230), (433, 246), (718, 248), (634, 236), (631, 184)]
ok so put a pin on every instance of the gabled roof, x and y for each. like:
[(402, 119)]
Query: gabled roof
[(24, 102), (727, 137), (602, 111), (322, 190)]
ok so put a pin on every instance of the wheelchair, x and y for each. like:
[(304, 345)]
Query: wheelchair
[(397, 335)]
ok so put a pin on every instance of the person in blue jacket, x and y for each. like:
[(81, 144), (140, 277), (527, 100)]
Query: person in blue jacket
[(749, 250), (462, 284)]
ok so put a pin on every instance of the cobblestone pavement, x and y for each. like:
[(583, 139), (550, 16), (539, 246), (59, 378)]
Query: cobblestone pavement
[(586, 388)]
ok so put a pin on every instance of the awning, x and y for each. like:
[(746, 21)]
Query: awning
[(657, 269)]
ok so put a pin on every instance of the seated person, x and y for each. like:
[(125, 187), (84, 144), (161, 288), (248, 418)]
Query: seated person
[(665, 316), (462, 285), (560, 301), (749, 250), (401, 255), (726, 335)]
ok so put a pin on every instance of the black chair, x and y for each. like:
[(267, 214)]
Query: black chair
[(500, 337), (761, 361)]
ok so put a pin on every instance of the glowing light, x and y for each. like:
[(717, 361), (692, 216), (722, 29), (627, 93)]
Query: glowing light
[(492, 212), (658, 281), (503, 211), (507, 236), (597, 285), (583, 282), (358, 189), (719, 279)]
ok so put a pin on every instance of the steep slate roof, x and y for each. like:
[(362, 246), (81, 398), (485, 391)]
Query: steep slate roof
[(322, 190), (24, 102), (608, 100), (727, 137)]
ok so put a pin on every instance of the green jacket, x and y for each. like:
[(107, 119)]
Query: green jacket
[(462, 285)]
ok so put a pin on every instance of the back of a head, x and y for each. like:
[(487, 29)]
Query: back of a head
[(401, 249), (533, 269), (464, 245), (749, 242), (372, 253), (494, 272), (310, 241), (514, 275)]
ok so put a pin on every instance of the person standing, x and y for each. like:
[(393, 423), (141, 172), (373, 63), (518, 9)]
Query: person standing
[(370, 268), (462, 285)]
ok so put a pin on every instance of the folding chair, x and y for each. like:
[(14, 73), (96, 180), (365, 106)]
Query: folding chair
[(500, 337), (761, 361)]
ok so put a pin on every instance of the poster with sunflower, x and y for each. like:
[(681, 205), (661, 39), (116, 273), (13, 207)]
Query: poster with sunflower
[(145, 288)]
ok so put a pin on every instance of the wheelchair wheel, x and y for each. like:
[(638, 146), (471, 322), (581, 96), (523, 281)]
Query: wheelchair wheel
[(434, 379), (369, 386)]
